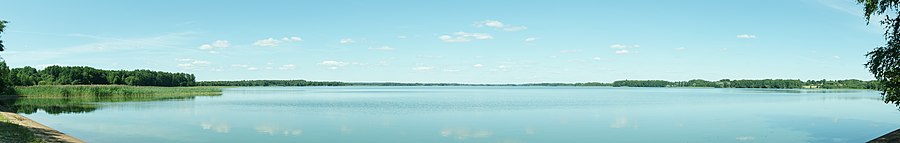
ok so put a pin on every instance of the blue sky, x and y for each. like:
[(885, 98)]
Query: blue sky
[(467, 41)]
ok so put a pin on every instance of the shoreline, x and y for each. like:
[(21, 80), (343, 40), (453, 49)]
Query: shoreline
[(42, 132)]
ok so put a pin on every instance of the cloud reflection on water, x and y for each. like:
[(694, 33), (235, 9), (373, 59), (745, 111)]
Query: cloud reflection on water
[(219, 127), (464, 133)]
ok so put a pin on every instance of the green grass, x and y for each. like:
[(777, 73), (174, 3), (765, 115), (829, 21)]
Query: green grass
[(111, 91)]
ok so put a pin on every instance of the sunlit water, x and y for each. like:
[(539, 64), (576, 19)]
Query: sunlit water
[(489, 114)]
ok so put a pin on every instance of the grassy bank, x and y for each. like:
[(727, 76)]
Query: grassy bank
[(15, 133), (111, 91)]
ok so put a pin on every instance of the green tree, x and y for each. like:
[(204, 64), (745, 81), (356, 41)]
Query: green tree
[(884, 61), (25, 76), (2, 26), (4, 78)]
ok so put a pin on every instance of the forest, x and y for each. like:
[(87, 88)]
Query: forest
[(82, 75)]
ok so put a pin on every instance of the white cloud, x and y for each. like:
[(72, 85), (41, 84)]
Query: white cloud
[(423, 68), (402, 37), (347, 41), (200, 63), (746, 36), (502, 66), (499, 25), (191, 63), (680, 49), (489, 23), (836, 57), (240, 66), (206, 47), (218, 44), (267, 42), (252, 69), (383, 48), (623, 49), (333, 63), (292, 39), (465, 37), (530, 39), (478, 65), (620, 46), (185, 65), (272, 42), (515, 28), (288, 67), (221, 44)]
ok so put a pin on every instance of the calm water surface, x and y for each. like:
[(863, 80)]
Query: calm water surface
[(488, 114)]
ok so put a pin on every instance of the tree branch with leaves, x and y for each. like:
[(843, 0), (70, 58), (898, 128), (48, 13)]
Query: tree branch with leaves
[(884, 61)]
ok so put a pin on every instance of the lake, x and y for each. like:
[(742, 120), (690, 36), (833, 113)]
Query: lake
[(484, 114)]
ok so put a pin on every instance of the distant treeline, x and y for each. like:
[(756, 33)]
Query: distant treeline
[(271, 83), (334, 83), (745, 83), (82, 75)]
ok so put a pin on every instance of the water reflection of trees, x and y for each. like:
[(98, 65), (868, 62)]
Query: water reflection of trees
[(73, 105)]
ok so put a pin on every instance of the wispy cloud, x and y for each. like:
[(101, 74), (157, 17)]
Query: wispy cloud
[(623, 49), (845, 6), (383, 48), (288, 67), (192, 64), (346, 41), (423, 68), (746, 36), (499, 25), (165, 43), (333, 64), (272, 42), (465, 37)]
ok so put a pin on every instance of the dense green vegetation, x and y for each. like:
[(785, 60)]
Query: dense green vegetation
[(2, 26), (109, 90), (5, 84), (884, 61), (79, 75)]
